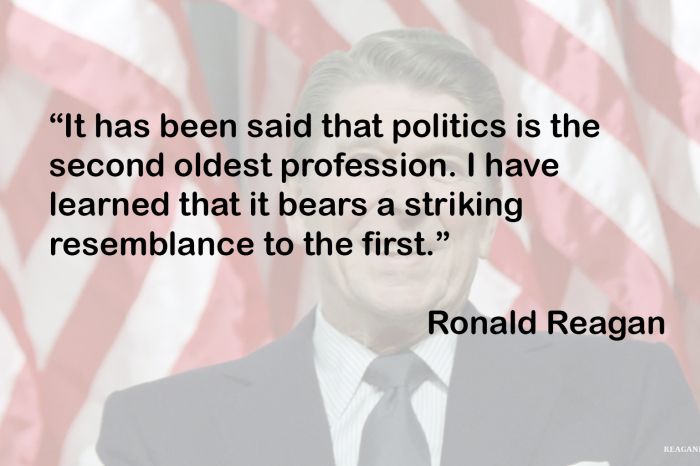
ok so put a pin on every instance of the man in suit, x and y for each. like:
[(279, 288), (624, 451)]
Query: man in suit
[(360, 381)]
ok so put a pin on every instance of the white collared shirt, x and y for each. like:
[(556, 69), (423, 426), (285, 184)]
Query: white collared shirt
[(341, 362)]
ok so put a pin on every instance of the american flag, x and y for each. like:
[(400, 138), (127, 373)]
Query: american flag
[(617, 232)]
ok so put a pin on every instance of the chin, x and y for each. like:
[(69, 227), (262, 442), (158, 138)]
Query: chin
[(398, 304)]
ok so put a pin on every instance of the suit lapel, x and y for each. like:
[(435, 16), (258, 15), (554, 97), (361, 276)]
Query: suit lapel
[(501, 394), (280, 409)]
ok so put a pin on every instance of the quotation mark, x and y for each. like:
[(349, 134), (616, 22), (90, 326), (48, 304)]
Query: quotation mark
[(441, 236), (56, 118)]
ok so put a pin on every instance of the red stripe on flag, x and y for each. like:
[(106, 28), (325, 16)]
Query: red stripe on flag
[(21, 426), (4, 15), (25, 198), (414, 14), (663, 79), (11, 308), (684, 240)]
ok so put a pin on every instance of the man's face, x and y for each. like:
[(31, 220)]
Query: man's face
[(395, 287)]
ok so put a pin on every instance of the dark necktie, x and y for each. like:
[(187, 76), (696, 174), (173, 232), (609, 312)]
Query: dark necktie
[(392, 434)]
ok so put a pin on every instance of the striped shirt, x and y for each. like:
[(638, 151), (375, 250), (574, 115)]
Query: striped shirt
[(340, 364)]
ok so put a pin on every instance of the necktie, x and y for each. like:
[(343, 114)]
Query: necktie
[(392, 434)]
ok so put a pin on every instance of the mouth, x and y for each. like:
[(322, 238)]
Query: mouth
[(405, 262)]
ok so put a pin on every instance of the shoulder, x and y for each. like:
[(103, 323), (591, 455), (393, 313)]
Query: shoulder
[(178, 417), (599, 357), (207, 383), (203, 389), (614, 374)]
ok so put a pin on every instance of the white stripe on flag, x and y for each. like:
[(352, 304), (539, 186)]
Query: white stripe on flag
[(492, 292), (135, 30), (10, 259), (343, 14), (24, 100)]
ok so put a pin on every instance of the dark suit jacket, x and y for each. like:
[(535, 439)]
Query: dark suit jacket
[(513, 400)]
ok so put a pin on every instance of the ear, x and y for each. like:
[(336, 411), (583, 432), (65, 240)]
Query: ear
[(296, 225), (487, 236)]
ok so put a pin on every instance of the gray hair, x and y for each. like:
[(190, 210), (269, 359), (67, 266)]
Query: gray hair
[(423, 58)]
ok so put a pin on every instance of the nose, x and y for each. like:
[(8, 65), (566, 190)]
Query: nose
[(399, 189)]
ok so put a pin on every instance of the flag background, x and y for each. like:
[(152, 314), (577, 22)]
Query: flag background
[(617, 232)]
